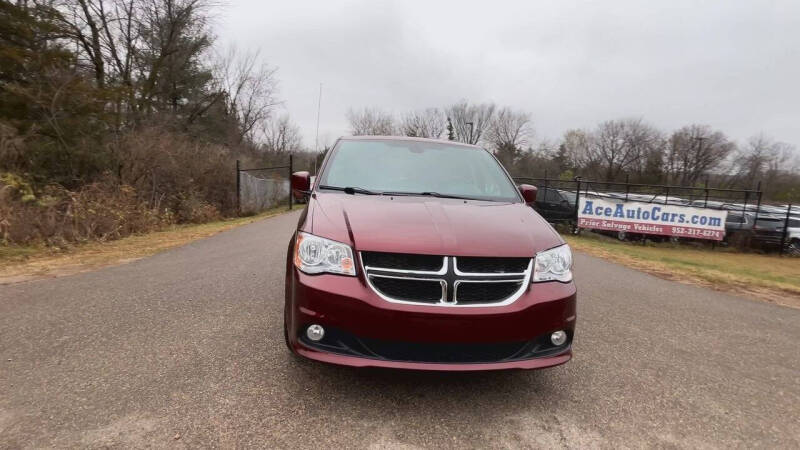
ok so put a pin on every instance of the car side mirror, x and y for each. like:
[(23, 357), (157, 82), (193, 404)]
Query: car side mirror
[(528, 193), (301, 183)]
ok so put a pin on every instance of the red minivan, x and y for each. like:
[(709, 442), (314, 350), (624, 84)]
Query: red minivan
[(423, 254)]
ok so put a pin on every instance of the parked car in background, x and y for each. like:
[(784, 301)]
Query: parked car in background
[(744, 230), (793, 236), (555, 205)]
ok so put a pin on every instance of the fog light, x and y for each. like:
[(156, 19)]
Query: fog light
[(315, 332), (557, 338)]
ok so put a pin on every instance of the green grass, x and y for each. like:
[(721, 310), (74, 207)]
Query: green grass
[(721, 268), (16, 253)]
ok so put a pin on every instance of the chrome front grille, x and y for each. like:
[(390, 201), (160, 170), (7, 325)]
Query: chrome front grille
[(441, 281)]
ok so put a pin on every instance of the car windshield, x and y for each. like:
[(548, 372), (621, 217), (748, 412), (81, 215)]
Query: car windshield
[(416, 167)]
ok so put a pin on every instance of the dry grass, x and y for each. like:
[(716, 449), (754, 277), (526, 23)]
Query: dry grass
[(28, 263), (766, 277)]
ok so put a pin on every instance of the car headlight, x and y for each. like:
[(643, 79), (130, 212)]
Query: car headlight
[(553, 265), (313, 254)]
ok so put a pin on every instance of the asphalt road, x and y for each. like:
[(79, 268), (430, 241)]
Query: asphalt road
[(185, 349)]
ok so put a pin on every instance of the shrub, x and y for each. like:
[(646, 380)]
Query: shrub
[(103, 210)]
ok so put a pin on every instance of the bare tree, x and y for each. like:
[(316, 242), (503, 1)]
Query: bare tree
[(470, 122), (509, 129), (611, 149), (428, 123), (370, 122), (619, 146), (693, 151), (646, 145), (508, 133), (761, 159), (282, 136), (249, 89), (576, 149)]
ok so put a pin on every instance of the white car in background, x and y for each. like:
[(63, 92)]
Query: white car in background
[(793, 236)]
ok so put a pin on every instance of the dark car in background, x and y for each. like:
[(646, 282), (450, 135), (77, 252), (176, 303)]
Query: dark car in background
[(745, 230), (555, 205)]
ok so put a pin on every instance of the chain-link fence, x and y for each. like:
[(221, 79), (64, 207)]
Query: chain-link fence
[(263, 188), (751, 220)]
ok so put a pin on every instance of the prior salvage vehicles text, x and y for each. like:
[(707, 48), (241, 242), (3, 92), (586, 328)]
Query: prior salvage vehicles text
[(648, 218)]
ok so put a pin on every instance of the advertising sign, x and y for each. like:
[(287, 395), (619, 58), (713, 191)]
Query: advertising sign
[(651, 218)]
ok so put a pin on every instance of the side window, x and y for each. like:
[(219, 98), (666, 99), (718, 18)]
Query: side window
[(735, 218), (552, 196)]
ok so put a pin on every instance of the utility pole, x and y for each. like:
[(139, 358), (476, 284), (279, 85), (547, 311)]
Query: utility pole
[(471, 127), (316, 139)]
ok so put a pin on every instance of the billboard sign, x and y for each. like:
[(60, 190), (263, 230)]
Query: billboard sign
[(651, 218)]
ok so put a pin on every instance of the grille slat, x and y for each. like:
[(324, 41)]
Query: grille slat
[(473, 264), (409, 289), (486, 292), (403, 261)]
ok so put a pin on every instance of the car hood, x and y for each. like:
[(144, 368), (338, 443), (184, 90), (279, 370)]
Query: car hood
[(425, 225)]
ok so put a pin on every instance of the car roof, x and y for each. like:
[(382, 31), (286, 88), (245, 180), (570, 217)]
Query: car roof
[(407, 138)]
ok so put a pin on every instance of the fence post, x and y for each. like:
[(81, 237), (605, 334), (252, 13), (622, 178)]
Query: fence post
[(705, 203), (238, 189), (545, 185), (785, 228), (627, 185), (291, 194), (577, 203), (758, 201), (744, 207)]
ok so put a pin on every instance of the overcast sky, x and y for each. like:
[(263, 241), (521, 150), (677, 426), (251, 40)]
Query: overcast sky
[(734, 65)]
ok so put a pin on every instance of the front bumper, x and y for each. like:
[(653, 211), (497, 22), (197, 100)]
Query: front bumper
[(364, 330)]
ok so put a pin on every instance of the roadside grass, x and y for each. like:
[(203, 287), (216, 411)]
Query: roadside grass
[(767, 277), (27, 263)]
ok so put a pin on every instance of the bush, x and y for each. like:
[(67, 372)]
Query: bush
[(104, 210)]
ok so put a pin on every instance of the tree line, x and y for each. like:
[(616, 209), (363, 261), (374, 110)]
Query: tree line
[(128, 102), (614, 150)]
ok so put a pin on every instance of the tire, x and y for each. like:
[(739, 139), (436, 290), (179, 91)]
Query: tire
[(793, 248), (622, 235)]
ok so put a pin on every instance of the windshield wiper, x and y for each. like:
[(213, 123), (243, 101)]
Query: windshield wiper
[(430, 194), (350, 190)]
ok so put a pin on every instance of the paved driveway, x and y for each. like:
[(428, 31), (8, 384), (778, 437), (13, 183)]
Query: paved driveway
[(185, 349)]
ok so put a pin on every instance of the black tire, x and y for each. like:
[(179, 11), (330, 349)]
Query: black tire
[(622, 235), (793, 248)]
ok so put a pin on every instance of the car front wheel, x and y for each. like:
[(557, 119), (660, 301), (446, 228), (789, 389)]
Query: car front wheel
[(794, 247)]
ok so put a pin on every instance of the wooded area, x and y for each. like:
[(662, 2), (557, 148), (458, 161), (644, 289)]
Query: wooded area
[(118, 116)]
